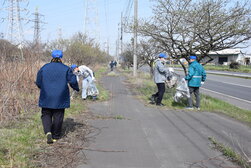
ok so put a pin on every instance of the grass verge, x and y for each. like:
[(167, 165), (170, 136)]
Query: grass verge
[(242, 69), (21, 140), (144, 86), (230, 153)]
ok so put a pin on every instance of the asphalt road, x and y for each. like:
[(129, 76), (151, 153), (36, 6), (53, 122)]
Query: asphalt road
[(152, 137)]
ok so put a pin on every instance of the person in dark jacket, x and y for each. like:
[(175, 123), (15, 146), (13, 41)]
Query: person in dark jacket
[(111, 65), (160, 76), (52, 80), (196, 77)]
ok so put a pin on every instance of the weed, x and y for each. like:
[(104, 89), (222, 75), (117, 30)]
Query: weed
[(119, 117), (230, 153)]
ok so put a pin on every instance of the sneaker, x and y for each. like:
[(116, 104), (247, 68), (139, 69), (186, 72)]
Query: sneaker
[(54, 140), (189, 108), (49, 138), (160, 104), (197, 108), (152, 99)]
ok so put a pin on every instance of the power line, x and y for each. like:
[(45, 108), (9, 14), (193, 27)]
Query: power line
[(37, 28), (15, 30), (92, 20)]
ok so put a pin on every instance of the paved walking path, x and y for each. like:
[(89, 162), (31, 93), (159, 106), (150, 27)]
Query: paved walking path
[(154, 137)]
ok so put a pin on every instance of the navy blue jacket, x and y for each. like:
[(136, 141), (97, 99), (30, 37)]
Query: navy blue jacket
[(53, 79)]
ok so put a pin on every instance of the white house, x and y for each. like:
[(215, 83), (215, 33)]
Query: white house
[(226, 56)]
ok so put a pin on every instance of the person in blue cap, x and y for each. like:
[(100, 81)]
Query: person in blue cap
[(52, 80), (160, 74), (196, 77)]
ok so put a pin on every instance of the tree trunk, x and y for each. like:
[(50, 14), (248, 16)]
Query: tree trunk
[(183, 66)]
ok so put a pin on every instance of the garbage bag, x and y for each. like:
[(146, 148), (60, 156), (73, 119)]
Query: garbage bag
[(92, 90), (182, 90), (172, 80)]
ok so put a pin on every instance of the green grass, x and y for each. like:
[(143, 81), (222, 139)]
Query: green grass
[(21, 140), (119, 117), (243, 68), (103, 93), (112, 74), (145, 87), (230, 153)]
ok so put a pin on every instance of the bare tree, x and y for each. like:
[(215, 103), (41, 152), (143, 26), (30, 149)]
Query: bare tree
[(127, 55), (185, 27), (148, 51)]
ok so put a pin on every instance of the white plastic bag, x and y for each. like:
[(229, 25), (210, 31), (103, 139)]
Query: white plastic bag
[(172, 78), (92, 90), (182, 90)]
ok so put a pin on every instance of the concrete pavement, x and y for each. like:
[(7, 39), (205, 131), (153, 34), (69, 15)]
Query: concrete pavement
[(151, 137)]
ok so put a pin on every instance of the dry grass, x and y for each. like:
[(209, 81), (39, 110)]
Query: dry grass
[(17, 88)]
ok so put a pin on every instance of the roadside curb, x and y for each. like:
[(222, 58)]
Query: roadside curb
[(223, 73)]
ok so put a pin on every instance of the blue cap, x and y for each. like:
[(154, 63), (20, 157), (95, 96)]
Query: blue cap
[(193, 57), (74, 66), (57, 54), (162, 55)]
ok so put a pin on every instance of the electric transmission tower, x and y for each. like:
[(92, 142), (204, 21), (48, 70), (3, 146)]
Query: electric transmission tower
[(14, 29), (91, 25), (37, 29)]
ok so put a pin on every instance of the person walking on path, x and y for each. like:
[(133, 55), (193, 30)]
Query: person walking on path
[(112, 65), (52, 80), (88, 77), (160, 74), (196, 77)]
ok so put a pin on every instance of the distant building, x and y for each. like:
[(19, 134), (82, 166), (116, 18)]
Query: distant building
[(224, 57)]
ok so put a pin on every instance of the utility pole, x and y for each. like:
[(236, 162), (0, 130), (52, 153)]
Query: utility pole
[(135, 38), (118, 40), (121, 36), (107, 27)]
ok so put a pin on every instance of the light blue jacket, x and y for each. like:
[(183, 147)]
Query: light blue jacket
[(196, 74), (160, 72)]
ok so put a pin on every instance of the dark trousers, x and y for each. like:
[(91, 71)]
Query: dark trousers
[(52, 120), (161, 90), (196, 91)]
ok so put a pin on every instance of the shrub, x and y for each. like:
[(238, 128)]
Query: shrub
[(234, 65)]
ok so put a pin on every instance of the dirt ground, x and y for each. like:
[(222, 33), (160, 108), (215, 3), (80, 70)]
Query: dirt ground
[(69, 150)]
